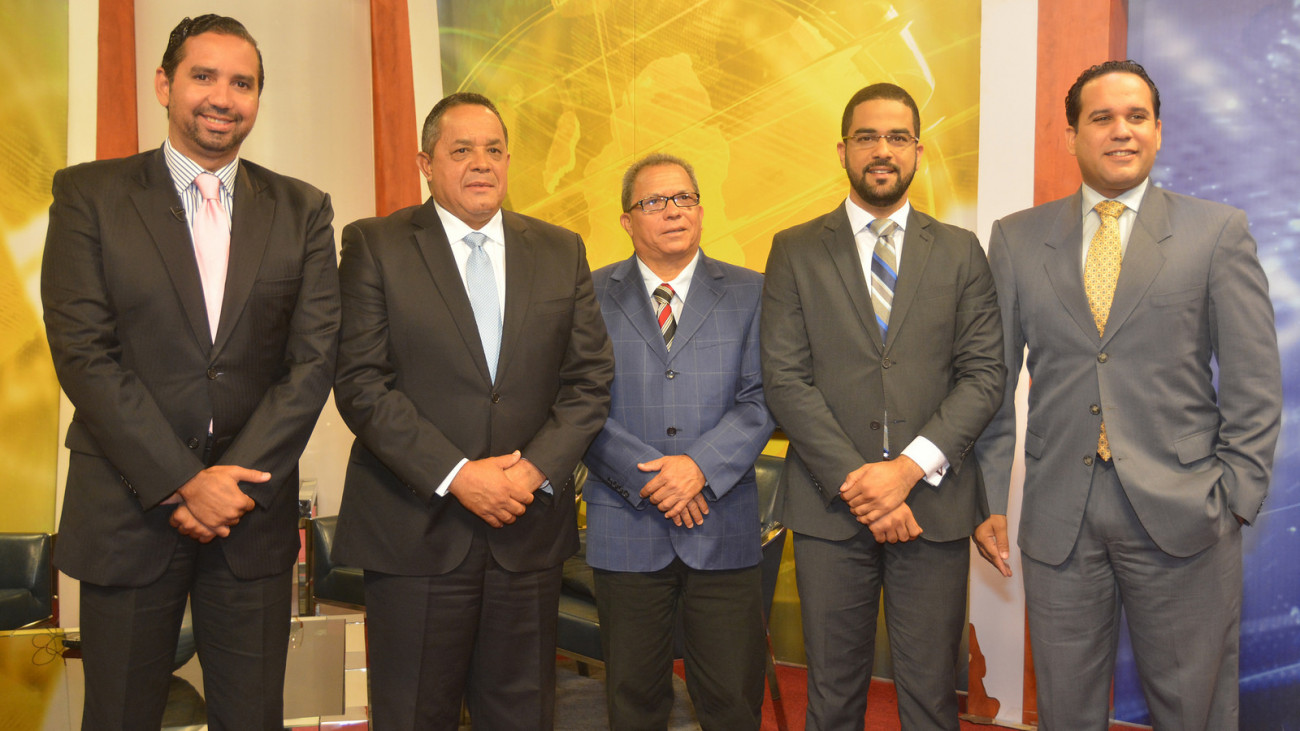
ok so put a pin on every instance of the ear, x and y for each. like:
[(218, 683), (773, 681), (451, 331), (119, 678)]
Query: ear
[(1070, 134), (626, 221), (425, 163), (161, 87), (841, 148)]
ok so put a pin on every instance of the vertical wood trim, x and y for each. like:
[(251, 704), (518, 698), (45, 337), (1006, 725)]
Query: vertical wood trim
[(393, 94), (116, 130)]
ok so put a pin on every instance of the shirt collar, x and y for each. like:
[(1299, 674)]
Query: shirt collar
[(184, 170), (860, 218), (1131, 198), (456, 229), (680, 284)]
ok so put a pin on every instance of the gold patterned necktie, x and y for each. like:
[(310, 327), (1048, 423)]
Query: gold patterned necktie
[(1100, 273)]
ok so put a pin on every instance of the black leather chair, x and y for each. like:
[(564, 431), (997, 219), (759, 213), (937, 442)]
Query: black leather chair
[(328, 582), (27, 580), (579, 624)]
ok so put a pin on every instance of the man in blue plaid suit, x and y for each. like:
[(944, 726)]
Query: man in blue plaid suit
[(672, 505)]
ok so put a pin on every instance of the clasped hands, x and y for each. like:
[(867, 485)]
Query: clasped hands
[(875, 493), (676, 489), (497, 489), (210, 503)]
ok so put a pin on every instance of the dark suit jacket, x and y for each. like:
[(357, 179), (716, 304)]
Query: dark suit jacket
[(703, 399), (1190, 289), (830, 381), (413, 385), (129, 332)]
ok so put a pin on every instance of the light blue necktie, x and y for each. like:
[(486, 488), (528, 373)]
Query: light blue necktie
[(482, 286)]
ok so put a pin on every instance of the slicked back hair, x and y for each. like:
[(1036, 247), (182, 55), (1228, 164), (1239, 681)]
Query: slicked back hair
[(210, 23)]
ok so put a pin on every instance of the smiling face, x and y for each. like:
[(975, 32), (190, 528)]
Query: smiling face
[(879, 174), (467, 167), (1117, 136), (212, 98), (665, 240)]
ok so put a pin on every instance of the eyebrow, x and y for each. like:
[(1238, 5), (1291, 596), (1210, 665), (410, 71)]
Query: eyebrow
[(463, 141), (873, 130), (1109, 110)]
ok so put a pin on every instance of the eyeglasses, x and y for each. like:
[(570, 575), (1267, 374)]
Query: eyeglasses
[(656, 203), (896, 140)]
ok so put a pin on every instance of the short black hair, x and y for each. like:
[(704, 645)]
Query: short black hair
[(649, 161), (433, 122), (1072, 98), (210, 23), (881, 91)]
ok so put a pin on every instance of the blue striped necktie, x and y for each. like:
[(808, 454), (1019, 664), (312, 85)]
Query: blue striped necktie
[(884, 272)]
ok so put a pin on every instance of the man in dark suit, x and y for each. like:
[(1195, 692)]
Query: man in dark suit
[(474, 369), (882, 366), (195, 334), (1139, 465), (687, 421)]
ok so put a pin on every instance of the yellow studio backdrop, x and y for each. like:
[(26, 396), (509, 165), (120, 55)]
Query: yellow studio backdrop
[(750, 92), (33, 144)]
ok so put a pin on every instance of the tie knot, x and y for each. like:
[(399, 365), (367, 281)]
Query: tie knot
[(475, 239), (209, 185), (1110, 209), (664, 293), (882, 227)]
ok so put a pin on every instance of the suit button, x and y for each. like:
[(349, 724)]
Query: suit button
[(213, 373), (193, 443), (1094, 409), (672, 431), (496, 398), (670, 375), (1102, 357), (885, 362), (875, 426), (1088, 460)]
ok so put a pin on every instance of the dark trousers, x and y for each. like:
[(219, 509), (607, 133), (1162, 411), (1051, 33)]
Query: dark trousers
[(1184, 616), (478, 633), (722, 618), (241, 628), (840, 586)]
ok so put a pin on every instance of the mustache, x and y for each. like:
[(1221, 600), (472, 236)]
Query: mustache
[(877, 164)]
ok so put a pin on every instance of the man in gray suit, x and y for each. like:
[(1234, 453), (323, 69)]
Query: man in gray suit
[(192, 307), (1138, 467), (687, 420), (882, 361)]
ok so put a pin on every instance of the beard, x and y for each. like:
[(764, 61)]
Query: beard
[(881, 197), (214, 143)]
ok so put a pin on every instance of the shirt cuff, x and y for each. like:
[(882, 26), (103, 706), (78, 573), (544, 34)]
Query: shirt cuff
[(446, 483), (929, 458)]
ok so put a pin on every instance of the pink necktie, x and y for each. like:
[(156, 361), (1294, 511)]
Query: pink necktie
[(211, 245)]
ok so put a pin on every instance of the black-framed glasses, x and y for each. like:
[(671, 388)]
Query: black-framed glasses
[(896, 140), (656, 203)]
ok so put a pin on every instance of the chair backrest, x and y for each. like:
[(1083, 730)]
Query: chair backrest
[(26, 566), (767, 473), (330, 582)]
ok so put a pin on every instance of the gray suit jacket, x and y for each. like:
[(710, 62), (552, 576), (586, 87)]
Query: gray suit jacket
[(703, 399), (129, 333), (830, 381), (1190, 290), (413, 385)]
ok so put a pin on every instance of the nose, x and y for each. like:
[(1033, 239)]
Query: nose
[(479, 160)]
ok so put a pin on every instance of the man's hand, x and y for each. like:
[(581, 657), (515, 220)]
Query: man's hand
[(214, 499), (485, 490), (526, 475), (678, 482), (694, 512), (991, 539), (877, 488), (897, 526), (185, 522)]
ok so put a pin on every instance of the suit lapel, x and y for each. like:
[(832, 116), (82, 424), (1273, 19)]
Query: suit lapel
[(431, 239), (519, 286), (917, 245), (1064, 263), (1143, 259), (155, 200), (628, 293), (843, 250), (250, 232), (705, 292)]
